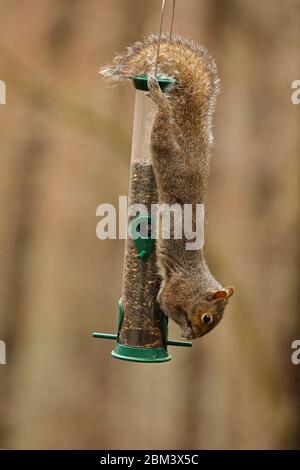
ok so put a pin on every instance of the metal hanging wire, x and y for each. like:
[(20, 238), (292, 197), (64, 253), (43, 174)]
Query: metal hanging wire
[(160, 29), (172, 20)]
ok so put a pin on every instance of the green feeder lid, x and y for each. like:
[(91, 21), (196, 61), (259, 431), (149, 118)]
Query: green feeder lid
[(140, 82)]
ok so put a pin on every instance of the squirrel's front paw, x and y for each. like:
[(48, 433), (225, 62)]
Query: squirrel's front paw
[(154, 89), (187, 333)]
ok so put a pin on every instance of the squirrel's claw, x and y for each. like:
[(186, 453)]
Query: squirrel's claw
[(187, 333)]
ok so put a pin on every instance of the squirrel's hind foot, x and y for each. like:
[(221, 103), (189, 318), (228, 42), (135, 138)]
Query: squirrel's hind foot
[(154, 90)]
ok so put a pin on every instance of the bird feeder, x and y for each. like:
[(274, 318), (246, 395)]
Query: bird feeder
[(142, 334), (143, 328)]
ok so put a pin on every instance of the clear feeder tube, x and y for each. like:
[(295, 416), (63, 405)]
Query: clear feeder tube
[(143, 323)]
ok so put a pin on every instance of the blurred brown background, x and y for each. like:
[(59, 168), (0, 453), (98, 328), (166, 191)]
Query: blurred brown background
[(64, 149)]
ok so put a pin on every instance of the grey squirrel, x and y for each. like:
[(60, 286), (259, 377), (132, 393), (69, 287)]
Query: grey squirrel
[(181, 139)]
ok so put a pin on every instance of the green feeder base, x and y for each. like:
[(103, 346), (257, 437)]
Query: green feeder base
[(137, 354)]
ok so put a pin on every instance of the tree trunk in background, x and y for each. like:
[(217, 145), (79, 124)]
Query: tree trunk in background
[(22, 200)]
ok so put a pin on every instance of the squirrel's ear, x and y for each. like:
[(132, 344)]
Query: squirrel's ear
[(221, 294), (230, 291)]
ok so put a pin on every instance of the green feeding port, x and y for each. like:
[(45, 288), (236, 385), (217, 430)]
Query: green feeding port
[(143, 242), (140, 82)]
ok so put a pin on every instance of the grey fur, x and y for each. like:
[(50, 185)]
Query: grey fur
[(181, 141)]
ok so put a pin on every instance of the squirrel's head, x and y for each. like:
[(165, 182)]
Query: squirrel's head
[(209, 311)]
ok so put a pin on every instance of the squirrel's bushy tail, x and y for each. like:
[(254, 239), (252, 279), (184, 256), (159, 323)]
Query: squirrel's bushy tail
[(188, 63)]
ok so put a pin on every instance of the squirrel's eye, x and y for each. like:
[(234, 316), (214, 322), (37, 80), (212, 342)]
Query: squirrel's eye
[(206, 318)]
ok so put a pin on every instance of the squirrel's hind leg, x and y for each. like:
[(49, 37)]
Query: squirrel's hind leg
[(155, 92), (163, 136)]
